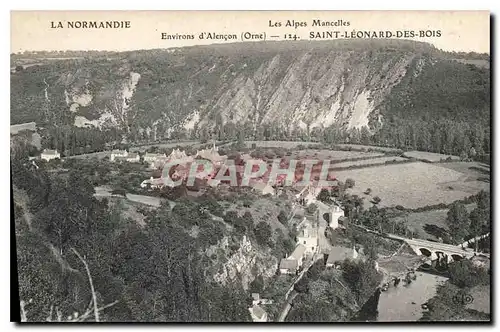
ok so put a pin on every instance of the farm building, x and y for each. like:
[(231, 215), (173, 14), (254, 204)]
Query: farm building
[(152, 157), (50, 154), (130, 158), (117, 154)]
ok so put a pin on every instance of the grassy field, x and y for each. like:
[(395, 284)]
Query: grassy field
[(360, 147), (380, 161), (429, 156), (428, 223), (412, 185), (279, 144), (334, 155)]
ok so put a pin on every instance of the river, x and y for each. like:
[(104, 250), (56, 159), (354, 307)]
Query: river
[(403, 303)]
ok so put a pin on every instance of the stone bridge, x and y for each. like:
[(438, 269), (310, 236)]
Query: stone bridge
[(435, 250)]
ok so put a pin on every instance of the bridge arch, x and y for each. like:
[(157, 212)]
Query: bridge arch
[(425, 252), (457, 257), (326, 217)]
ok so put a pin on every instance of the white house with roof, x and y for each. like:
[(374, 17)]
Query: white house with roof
[(48, 155), (158, 163), (263, 188), (291, 264), (177, 154), (133, 157), (154, 183), (152, 157), (308, 237), (211, 154), (330, 213), (118, 154)]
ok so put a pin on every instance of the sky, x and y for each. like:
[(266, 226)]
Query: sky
[(32, 30)]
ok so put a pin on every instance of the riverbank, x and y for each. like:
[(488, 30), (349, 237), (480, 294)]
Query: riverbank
[(403, 303)]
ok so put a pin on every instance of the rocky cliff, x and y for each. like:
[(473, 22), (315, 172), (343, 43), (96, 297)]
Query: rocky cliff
[(302, 84)]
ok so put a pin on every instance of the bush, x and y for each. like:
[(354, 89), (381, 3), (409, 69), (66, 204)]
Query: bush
[(263, 233), (282, 217)]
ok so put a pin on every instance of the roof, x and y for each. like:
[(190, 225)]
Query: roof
[(155, 155), (132, 155), (289, 264), (47, 151), (339, 254), (256, 296), (298, 252), (177, 154), (308, 231), (258, 311), (118, 151)]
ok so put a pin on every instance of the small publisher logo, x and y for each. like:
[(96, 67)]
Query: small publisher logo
[(463, 299)]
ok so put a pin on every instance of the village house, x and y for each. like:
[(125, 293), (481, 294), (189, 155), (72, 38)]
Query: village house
[(338, 254), (48, 155), (291, 264), (152, 157), (133, 158), (159, 162), (211, 154), (179, 157), (155, 183), (255, 298), (130, 158), (117, 154), (177, 154), (331, 213), (258, 314), (263, 188), (308, 236)]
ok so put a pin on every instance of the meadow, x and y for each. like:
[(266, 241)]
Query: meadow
[(411, 185), (429, 156)]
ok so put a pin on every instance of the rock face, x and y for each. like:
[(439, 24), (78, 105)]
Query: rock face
[(302, 84), (245, 264)]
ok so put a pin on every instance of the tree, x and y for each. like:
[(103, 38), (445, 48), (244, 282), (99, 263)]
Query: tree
[(464, 274), (282, 217), (477, 223), (365, 135), (376, 200), (370, 247), (263, 233), (257, 285), (483, 200), (361, 277), (311, 208), (324, 195), (349, 183), (458, 222)]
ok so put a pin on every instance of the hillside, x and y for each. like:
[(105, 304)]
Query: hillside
[(300, 84)]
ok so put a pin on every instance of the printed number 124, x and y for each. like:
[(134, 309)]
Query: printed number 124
[(291, 36)]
